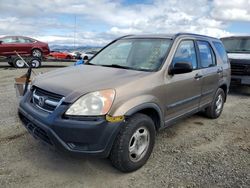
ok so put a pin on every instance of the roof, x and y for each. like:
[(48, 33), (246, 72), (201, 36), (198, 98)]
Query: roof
[(169, 36), (239, 36)]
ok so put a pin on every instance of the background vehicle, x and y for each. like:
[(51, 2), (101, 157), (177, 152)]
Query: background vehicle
[(132, 88), (76, 55), (60, 55), (88, 55), (22, 45), (238, 49)]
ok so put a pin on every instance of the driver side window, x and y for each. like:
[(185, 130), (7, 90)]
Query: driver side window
[(186, 53)]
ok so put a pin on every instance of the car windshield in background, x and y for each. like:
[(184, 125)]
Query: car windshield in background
[(237, 45), (135, 54)]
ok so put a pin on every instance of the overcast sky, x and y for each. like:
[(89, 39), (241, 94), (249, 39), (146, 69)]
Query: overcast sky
[(99, 21)]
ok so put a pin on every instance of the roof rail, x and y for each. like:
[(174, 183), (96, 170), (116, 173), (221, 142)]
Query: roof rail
[(194, 34)]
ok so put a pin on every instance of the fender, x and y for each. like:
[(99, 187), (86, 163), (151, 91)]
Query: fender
[(136, 104), (145, 106)]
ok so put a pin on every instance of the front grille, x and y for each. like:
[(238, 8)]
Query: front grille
[(238, 67), (35, 130), (45, 100)]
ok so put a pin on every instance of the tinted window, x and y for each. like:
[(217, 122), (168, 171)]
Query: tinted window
[(21, 40), (246, 45), (138, 54), (221, 50), (9, 40), (206, 54), (237, 44), (186, 53), (24, 40)]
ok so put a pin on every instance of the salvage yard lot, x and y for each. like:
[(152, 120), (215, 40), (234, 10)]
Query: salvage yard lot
[(195, 152)]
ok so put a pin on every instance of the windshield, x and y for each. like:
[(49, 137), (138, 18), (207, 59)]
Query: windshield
[(237, 44), (136, 54)]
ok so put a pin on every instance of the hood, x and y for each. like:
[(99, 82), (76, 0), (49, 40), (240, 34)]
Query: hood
[(72, 82), (238, 55)]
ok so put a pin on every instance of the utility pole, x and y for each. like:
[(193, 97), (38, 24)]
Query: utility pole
[(75, 34)]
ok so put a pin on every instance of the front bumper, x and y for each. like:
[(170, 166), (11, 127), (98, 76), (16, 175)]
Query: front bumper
[(240, 80), (93, 136)]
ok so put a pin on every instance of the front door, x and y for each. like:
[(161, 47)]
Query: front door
[(183, 91)]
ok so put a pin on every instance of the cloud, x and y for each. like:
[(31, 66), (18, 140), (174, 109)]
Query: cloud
[(233, 10), (52, 21)]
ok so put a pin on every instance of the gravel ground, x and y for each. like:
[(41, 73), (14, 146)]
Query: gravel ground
[(195, 152)]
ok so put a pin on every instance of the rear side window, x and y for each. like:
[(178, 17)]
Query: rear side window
[(206, 54), (221, 50), (186, 53), (9, 40)]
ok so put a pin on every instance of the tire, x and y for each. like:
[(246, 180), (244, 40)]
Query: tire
[(36, 53), (139, 130), (35, 62), (68, 57), (216, 107), (18, 63), (11, 64)]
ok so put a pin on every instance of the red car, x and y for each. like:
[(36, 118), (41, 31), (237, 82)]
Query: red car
[(22, 45), (60, 55)]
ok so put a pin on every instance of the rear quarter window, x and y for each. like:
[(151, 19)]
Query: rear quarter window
[(222, 52)]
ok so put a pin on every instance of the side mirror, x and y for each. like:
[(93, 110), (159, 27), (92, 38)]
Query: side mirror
[(180, 68)]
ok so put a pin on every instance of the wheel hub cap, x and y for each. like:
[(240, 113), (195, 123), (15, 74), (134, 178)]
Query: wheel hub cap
[(138, 144), (36, 53), (219, 104), (20, 63)]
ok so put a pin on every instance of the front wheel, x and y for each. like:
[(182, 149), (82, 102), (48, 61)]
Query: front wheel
[(216, 107), (18, 63), (37, 53), (134, 143)]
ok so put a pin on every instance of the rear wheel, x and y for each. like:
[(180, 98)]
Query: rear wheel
[(35, 62), (134, 143), (216, 107)]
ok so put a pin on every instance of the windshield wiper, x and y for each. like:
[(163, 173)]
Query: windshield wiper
[(89, 63), (116, 66), (120, 66)]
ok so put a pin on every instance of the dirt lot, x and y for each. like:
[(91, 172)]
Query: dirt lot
[(196, 152)]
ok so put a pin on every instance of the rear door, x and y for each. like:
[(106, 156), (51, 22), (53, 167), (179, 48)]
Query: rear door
[(24, 45), (183, 91), (211, 72)]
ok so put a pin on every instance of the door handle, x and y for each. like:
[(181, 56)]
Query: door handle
[(219, 70), (198, 76)]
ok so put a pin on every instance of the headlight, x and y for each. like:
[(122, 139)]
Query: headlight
[(93, 104)]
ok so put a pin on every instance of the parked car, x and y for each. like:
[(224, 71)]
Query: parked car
[(76, 55), (22, 45), (88, 55), (60, 55), (137, 85), (238, 49)]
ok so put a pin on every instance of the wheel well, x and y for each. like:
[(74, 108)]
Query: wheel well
[(224, 87), (153, 114), (36, 49)]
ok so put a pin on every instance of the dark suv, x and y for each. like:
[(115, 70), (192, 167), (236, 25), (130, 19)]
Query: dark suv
[(238, 49), (115, 103)]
